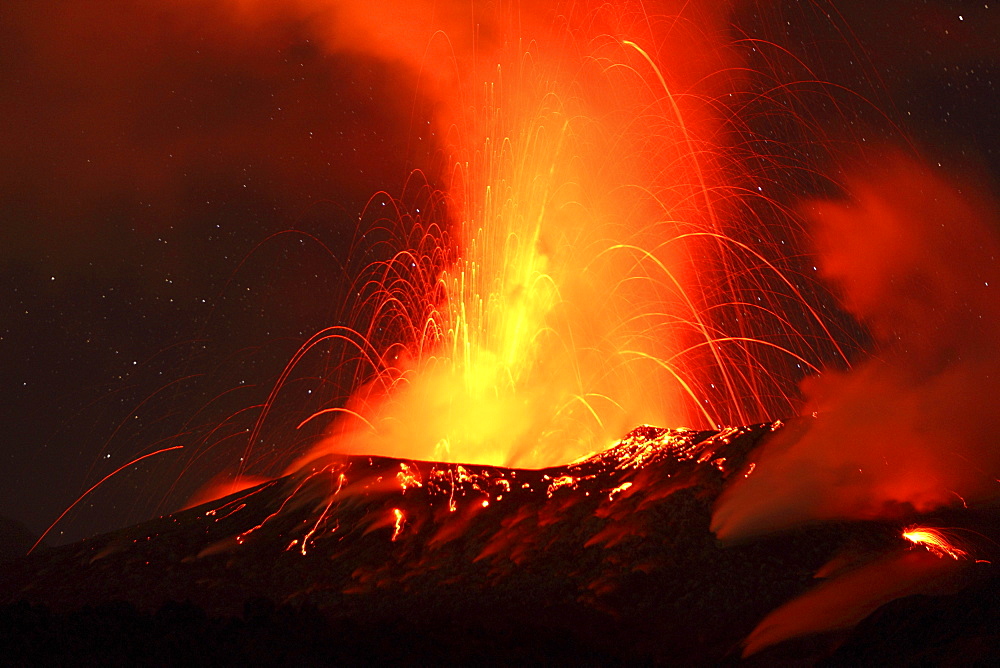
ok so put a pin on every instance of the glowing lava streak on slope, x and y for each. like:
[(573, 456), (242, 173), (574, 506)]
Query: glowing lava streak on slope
[(935, 541), (589, 280)]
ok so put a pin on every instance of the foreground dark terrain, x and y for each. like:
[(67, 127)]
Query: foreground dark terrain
[(359, 560)]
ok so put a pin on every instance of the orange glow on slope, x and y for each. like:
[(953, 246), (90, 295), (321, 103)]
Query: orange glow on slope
[(935, 541), (844, 601), (222, 487)]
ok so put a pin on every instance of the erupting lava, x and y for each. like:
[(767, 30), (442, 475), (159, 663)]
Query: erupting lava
[(935, 541), (611, 248), (592, 265)]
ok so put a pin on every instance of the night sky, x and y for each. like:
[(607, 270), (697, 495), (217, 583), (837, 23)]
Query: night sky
[(179, 206)]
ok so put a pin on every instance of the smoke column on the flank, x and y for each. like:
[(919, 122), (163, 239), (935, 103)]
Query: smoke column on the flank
[(915, 256), (911, 429)]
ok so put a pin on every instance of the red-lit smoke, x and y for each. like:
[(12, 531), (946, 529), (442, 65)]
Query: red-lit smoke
[(842, 602), (915, 255)]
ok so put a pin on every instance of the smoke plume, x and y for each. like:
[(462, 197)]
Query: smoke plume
[(914, 428)]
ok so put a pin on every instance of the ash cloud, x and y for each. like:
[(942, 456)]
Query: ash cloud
[(145, 150), (122, 125), (914, 254)]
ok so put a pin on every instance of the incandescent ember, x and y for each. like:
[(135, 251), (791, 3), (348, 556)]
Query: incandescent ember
[(611, 554), (621, 534)]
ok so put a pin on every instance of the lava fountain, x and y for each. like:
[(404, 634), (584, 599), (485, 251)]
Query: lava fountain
[(584, 271), (602, 256)]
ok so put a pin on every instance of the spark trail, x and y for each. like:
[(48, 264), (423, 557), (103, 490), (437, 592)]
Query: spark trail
[(935, 541), (585, 252)]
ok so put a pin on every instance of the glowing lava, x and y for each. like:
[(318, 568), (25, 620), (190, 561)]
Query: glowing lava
[(412, 502), (935, 541), (580, 275)]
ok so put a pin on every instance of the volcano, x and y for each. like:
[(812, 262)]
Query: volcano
[(357, 559)]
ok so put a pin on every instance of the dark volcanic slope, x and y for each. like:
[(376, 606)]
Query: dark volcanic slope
[(611, 555)]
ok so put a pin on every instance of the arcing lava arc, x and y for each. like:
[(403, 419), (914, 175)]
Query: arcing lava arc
[(596, 261)]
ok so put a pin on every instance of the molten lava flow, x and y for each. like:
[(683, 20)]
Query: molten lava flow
[(935, 541), (417, 502), (400, 521)]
